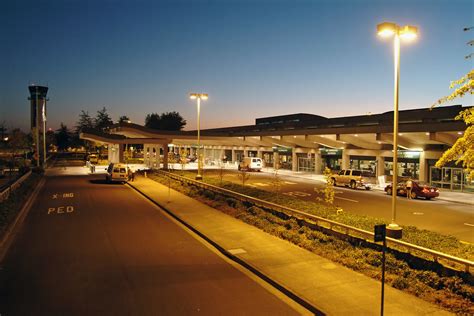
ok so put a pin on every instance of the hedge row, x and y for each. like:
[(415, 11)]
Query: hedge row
[(424, 238), (454, 293)]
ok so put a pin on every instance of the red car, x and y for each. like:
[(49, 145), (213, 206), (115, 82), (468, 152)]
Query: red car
[(418, 190)]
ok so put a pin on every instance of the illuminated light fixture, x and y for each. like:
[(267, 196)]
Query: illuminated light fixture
[(400, 134), (408, 32), (427, 134), (356, 135), (199, 97), (388, 29), (379, 142), (459, 133)]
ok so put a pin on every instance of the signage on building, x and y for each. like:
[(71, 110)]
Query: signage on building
[(282, 150), (408, 154), (330, 152)]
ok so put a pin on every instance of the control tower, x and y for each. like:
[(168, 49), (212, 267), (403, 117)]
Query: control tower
[(38, 119)]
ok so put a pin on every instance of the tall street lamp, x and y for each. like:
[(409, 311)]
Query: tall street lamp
[(407, 32), (199, 97)]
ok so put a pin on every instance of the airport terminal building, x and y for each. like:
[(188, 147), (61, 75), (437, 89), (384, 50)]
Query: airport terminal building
[(309, 143)]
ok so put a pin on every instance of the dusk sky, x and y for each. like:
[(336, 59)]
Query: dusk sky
[(253, 58)]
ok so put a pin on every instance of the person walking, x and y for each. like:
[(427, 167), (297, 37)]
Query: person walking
[(409, 186)]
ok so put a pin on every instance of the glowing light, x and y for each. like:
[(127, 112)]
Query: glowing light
[(386, 29)]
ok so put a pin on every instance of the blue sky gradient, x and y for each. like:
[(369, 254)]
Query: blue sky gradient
[(254, 58)]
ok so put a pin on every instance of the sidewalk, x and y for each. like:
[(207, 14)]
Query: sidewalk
[(329, 287)]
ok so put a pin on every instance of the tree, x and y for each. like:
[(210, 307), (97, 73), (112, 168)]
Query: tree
[(153, 121), (169, 121), (172, 121), (123, 119), (102, 120), (63, 137), (85, 122), (462, 152), (17, 141)]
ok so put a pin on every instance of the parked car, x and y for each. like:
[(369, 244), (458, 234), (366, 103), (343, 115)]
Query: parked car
[(353, 178), (418, 190), (251, 164), (117, 172)]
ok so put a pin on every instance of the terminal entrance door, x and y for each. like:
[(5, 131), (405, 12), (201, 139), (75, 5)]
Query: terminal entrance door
[(450, 178)]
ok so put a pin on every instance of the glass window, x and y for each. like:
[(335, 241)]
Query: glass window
[(122, 170), (348, 173), (341, 173), (356, 173)]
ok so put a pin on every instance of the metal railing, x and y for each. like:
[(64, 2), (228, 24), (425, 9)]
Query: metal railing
[(329, 224), (6, 193)]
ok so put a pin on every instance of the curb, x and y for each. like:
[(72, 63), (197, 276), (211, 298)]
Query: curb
[(241, 262), (7, 239)]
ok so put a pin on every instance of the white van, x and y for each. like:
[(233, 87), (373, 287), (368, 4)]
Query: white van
[(251, 164), (117, 172)]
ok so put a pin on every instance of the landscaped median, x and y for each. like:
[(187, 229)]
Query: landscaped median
[(445, 287)]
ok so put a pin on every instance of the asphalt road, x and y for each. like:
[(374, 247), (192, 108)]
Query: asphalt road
[(445, 217), (90, 248)]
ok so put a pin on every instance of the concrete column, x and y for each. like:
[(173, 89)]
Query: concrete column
[(234, 158), (318, 161), (147, 154), (165, 156), (345, 160), (276, 160), (246, 152), (380, 166), (120, 153), (260, 153), (423, 172), (157, 158), (294, 160), (109, 153)]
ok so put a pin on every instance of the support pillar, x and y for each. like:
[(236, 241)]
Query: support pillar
[(380, 166), (276, 160), (233, 155), (318, 162), (345, 160), (423, 172), (259, 153), (294, 160), (165, 156), (246, 152)]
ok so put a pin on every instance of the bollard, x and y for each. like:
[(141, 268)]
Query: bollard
[(145, 174)]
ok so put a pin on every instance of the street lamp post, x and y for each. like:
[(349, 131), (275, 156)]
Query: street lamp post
[(199, 97), (408, 32)]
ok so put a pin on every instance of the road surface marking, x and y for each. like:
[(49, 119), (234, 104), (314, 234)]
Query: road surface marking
[(237, 251), (260, 184), (288, 182), (418, 213), (336, 197), (297, 193), (467, 224), (61, 209)]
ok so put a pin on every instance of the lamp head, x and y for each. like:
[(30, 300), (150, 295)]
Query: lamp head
[(409, 32), (387, 29), (202, 96)]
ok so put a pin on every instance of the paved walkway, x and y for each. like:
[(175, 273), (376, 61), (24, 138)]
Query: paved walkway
[(331, 288)]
